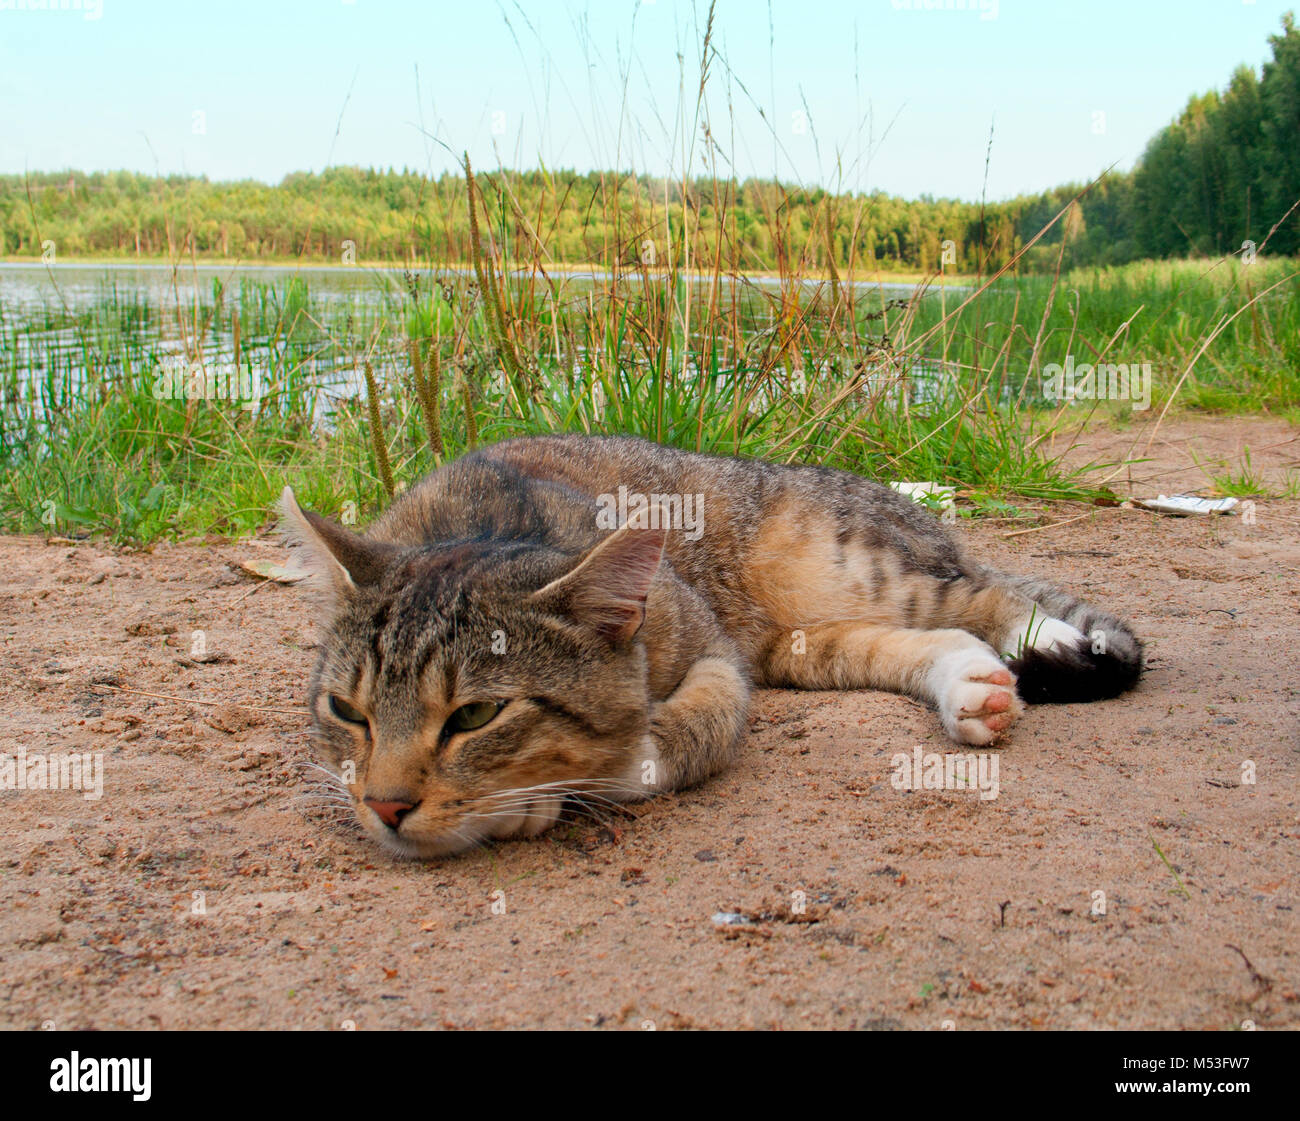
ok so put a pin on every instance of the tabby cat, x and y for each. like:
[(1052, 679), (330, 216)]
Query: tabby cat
[(564, 616)]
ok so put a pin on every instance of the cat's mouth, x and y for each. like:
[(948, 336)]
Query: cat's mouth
[(443, 831)]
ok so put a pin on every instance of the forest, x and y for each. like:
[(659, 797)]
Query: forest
[(1224, 173)]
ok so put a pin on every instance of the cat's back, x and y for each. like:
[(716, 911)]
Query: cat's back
[(553, 489), (738, 498), (568, 490)]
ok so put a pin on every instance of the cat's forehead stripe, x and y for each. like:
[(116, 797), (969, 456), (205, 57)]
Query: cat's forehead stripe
[(429, 610)]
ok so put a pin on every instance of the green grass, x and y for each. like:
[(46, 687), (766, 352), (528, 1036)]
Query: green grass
[(1180, 889), (894, 389), (1151, 311), (1246, 482)]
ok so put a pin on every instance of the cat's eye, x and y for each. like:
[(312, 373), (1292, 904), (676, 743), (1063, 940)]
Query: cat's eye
[(345, 712), (468, 717)]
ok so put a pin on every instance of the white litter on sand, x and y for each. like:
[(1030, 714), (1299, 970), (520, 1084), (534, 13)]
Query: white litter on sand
[(1184, 505), (918, 492)]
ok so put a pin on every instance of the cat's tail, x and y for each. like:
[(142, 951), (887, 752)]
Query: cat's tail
[(1068, 650)]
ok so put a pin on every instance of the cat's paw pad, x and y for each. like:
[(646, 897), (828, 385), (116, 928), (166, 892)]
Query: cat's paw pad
[(976, 695)]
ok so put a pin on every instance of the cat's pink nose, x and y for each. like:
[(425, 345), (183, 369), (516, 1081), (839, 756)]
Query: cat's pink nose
[(390, 813)]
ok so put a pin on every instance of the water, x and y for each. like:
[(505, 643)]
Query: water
[(31, 287), (307, 328), (60, 320)]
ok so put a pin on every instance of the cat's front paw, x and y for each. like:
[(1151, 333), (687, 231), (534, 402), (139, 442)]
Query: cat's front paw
[(976, 695), (641, 775)]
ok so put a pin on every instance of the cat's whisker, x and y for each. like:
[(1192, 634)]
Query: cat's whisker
[(468, 840), (323, 790), (307, 765), (579, 802), (523, 804), (323, 796), (321, 804), (342, 821), (599, 797), (330, 787), (570, 782), (315, 785), (521, 810), (587, 813), (570, 801), (567, 788), (617, 807)]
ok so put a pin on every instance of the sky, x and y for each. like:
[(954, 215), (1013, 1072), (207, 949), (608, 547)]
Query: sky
[(893, 95)]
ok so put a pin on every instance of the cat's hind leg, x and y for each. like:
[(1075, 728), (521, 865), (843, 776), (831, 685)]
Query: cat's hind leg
[(959, 674)]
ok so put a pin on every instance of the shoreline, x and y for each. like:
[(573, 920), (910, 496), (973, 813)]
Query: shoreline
[(570, 271)]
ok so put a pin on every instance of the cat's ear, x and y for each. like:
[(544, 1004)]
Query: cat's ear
[(337, 560), (608, 588)]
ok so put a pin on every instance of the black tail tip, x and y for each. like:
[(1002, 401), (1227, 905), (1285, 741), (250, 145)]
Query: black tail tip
[(1070, 675)]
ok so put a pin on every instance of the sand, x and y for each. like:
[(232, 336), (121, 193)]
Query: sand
[(1129, 872)]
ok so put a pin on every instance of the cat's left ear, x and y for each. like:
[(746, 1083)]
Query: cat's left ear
[(338, 560), (608, 588)]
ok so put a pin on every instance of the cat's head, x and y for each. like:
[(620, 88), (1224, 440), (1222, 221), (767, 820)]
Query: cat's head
[(463, 691)]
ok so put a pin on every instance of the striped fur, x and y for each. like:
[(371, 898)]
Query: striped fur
[(621, 660)]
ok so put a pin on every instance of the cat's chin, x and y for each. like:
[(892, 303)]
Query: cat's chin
[(426, 848), (533, 819)]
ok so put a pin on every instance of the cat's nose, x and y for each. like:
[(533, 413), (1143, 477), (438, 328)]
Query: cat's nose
[(390, 813)]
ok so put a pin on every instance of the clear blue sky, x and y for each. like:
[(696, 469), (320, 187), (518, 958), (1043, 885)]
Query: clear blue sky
[(895, 97)]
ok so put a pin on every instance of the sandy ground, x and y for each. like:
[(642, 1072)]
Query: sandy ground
[(919, 909)]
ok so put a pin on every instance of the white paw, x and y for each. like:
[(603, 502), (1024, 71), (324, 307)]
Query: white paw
[(533, 819), (1043, 633), (976, 695), (641, 776)]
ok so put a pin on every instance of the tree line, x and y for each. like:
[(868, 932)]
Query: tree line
[(1225, 172)]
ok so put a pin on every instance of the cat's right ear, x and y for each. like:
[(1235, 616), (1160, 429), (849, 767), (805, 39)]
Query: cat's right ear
[(337, 560)]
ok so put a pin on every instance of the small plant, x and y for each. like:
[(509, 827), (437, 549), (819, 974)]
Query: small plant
[(1244, 483)]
